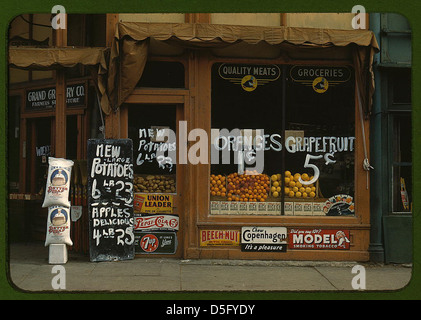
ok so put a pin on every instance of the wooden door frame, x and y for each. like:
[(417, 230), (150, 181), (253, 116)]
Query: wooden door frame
[(180, 99)]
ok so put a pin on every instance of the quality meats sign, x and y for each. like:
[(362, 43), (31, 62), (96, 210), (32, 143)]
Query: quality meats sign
[(319, 239), (156, 222), (249, 76)]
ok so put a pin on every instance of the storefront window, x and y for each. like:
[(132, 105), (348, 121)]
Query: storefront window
[(289, 133), (402, 164), (163, 74), (154, 170)]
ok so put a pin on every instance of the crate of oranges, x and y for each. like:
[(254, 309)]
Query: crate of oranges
[(293, 188), (218, 187), (250, 187)]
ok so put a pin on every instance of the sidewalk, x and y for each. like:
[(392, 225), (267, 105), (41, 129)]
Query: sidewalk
[(30, 271)]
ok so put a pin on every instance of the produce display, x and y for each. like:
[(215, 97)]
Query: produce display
[(261, 187), (154, 184), (293, 188)]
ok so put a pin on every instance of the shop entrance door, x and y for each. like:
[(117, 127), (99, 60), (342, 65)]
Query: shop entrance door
[(158, 178), (38, 144)]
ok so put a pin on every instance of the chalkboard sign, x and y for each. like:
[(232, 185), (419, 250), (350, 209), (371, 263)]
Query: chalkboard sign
[(110, 199)]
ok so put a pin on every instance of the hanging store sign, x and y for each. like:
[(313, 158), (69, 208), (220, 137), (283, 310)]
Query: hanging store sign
[(319, 239), (249, 76), (110, 199), (43, 99), (219, 238), (264, 239), (156, 222), (153, 203), (320, 78), (155, 242)]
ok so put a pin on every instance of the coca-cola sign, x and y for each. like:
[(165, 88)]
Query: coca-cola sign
[(156, 222)]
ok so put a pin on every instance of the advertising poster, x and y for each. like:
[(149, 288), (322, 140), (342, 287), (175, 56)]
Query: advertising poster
[(153, 203), (264, 239), (219, 238), (155, 242), (332, 239)]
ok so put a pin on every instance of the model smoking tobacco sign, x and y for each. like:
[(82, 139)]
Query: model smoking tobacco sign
[(110, 199), (336, 239), (249, 76), (320, 78)]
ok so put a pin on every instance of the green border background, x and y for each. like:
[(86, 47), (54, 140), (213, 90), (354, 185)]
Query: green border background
[(410, 9)]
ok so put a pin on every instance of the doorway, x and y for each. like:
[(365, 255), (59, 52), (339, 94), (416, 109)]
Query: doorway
[(158, 178)]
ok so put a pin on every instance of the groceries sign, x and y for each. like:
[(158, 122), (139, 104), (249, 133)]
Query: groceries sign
[(321, 78)]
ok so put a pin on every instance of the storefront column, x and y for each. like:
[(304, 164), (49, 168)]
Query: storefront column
[(377, 175), (112, 121), (112, 125), (60, 123)]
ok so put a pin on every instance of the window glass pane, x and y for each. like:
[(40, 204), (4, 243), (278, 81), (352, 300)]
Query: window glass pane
[(401, 86), (402, 160), (13, 146), (306, 170), (39, 150), (162, 74), (154, 172), (402, 189), (246, 136), (402, 142), (320, 137)]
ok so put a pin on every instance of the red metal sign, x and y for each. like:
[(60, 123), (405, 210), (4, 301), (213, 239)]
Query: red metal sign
[(330, 239)]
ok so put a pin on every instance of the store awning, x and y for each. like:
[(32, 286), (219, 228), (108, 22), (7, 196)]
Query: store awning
[(132, 40), (52, 58)]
